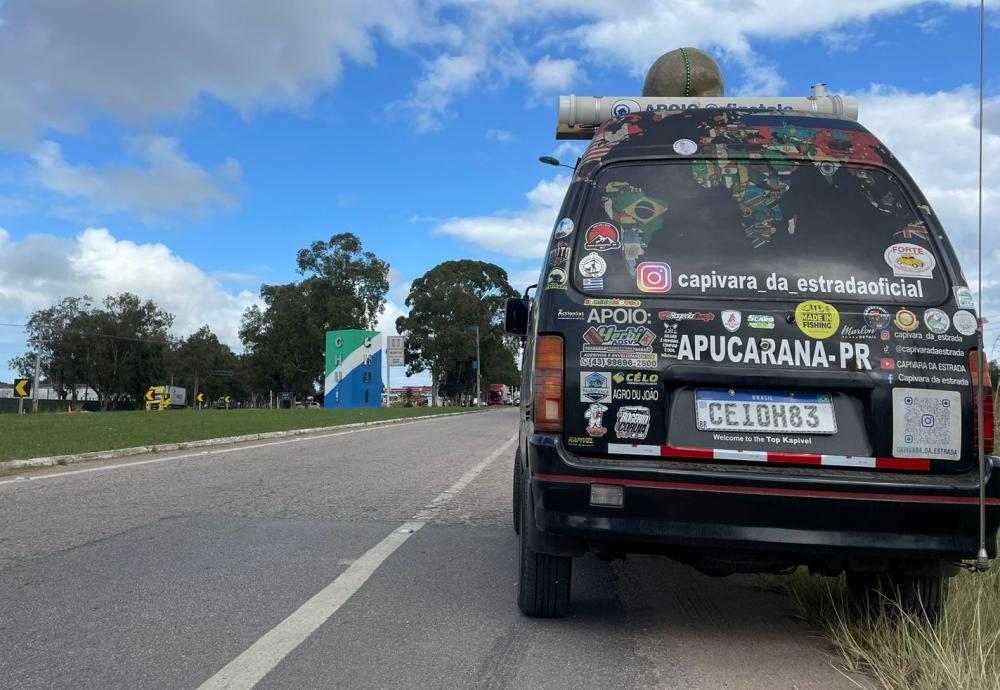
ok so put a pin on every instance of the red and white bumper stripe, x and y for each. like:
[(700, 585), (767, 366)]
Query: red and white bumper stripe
[(768, 457)]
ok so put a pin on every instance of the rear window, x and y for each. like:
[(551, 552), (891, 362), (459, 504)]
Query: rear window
[(768, 229)]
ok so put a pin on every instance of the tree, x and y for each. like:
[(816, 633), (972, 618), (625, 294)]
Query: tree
[(125, 344), (342, 287), (53, 333), (192, 360), (444, 303)]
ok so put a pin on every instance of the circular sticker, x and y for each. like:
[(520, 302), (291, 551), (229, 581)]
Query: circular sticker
[(965, 323), (557, 280), (937, 321), (593, 265), (827, 168), (910, 260), (564, 228), (685, 147), (906, 320), (877, 318), (817, 319)]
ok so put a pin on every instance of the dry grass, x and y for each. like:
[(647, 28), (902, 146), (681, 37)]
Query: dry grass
[(899, 651)]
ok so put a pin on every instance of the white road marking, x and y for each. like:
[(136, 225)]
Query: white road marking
[(246, 670), (204, 453)]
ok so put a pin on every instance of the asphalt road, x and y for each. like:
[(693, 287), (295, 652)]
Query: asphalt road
[(371, 559)]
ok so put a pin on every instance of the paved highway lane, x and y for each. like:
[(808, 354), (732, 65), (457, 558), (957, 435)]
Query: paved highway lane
[(285, 563)]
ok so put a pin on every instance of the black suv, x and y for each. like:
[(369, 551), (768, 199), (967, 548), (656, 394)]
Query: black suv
[(752, 348)]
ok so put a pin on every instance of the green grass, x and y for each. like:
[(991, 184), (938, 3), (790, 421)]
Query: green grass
[(45, 434), (962, 651)]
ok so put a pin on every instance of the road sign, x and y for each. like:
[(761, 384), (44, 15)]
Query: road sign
[(219, 372), (395, 343), (285, 395), (149, 395), (396, 360), (200, 397), (22, 388)]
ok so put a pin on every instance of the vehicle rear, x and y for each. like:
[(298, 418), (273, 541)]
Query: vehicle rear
[(753, 349)]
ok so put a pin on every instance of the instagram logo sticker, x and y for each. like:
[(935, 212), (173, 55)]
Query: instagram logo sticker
[(653, 276)]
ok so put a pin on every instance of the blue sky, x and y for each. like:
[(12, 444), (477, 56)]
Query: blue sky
[(186, 150)]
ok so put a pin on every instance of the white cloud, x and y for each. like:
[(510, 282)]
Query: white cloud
[(521, 234), (554, 75), (167, 183), (444, 77), (501, 136), (40, 269), (147, 59)]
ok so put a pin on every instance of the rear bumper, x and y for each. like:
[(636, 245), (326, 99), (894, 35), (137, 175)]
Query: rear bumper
[(806, 516)]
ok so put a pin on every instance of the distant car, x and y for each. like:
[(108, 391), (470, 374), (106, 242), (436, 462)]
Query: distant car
[(220, 404)]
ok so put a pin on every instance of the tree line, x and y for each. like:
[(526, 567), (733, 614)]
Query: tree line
[(122, 344)]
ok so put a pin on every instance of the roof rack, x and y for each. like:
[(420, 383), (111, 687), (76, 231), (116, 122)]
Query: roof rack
[(580, 116)]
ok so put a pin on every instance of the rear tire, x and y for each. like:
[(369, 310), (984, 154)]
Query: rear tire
[(916, 595), (543, 584), (518, 481)]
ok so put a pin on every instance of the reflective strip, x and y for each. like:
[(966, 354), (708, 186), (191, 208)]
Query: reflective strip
[(748, 455), (847, 461), (629, 449), (683, 453)]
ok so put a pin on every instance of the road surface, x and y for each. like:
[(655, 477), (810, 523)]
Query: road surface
[(375, 558)]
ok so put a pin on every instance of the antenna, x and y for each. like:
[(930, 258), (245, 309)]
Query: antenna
[(982, 560)]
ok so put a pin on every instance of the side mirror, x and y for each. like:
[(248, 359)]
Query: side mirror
[(516, 316)]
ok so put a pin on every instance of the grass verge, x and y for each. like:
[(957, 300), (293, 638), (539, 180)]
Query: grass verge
[(38, 435), (898, 651)]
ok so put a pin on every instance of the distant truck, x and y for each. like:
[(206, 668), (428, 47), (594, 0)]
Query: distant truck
[(165, 397), (498, 394)]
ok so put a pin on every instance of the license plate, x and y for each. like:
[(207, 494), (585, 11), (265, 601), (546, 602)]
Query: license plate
[(787, 413)]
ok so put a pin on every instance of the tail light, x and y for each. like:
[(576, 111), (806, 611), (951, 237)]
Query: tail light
[(987, 401), (547, 378)]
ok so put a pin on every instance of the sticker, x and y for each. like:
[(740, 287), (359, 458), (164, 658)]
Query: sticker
[(914, 231), (595, 419), (636, 378), (937, 321), (910, 260), (885, 335), (858, 333), (653, 276), (624, 106), (765, 321), (593, 265), (595, 386), (669, 315), (965, 323), (877, 317), (731, 320), (593, 284), (559, 254), (580, 441), (557, 279), (887, 363), (926, 423), (906, 320), (611, 302), (734, 349), (817, 319), (570, 315), (827, 168), (615, 359), (615, 336), (632, 422), (685, 147), (963, 297), (619, 315), (564, 229), (601, 237)]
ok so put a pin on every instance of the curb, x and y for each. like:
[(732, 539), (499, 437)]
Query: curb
[(52, 461)]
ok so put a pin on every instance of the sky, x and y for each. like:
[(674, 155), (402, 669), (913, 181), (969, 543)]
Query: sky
[(185, 151)]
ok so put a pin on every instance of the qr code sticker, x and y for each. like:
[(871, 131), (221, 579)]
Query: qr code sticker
[(926, 424)]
